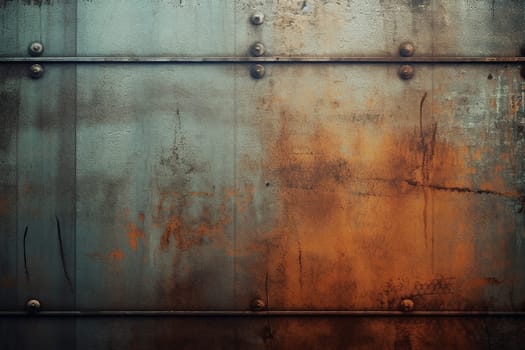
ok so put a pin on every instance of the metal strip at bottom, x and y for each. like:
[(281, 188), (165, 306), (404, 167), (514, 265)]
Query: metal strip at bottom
[(271, 313)]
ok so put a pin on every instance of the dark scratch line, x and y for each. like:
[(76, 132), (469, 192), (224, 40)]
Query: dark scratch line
[(424, 161), (269, 330), (62, 257), (25, 255), (421, 118), (460, 189)]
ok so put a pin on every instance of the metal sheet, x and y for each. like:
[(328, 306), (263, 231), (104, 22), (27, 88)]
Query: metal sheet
[(277, 333), (155, 187), (379, 189), (180, 184)]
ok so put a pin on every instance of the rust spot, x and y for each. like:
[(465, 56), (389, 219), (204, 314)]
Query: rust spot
[(209, 226), (173, 228), (134, 234), (116, 254)]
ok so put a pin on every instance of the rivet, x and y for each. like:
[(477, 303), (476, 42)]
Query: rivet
[(406, 49), (257, 49), (257, 71), (257, 18), (257, 304), (36, 71), (406, 72), (33, 306), (407, 305), (36, 48)]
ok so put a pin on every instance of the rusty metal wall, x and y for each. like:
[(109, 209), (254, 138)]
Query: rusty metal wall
[(156, 194)]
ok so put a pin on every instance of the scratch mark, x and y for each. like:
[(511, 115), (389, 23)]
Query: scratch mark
[(421, 117), (461, 189), (62, 257), (268, 332), (25, 255), (487, 334), (425, 173), (493, 9)]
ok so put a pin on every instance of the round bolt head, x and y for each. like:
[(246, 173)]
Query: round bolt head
[(257, 71), (406, 72), (257, 18), (257, 49), (407, 305), (406, 49), (36, 48), (257, 304), (36, 71), (33, 305)]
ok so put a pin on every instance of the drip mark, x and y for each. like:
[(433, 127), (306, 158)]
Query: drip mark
[(268, 332), (25, 255), (62, 257)]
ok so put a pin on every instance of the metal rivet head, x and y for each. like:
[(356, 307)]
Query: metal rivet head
[(257, 49), (257, 18), (257, 71), (406, 72), (407, 305), (36, 48), (406, 49), (33, 306), (257, 304), (36, 71)]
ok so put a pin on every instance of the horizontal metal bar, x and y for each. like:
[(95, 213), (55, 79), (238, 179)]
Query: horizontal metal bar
[(272, 59), (272, 313)]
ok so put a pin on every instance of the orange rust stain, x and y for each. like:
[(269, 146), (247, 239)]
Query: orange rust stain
[(354, 200), (116, 254), (134, 234), (493, 103), (173, 228), (207, 225)]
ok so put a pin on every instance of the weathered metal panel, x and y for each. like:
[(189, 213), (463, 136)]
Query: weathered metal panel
[(156, 187), (322, 186), (381, 190)]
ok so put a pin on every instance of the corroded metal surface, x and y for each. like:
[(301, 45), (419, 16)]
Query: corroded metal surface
[(178, 184)]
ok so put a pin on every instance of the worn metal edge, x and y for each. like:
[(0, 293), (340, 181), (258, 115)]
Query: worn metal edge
[(269, 59), (271, 313)]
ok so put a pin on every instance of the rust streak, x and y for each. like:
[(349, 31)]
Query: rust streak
[(135, 232), (116, 255)]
